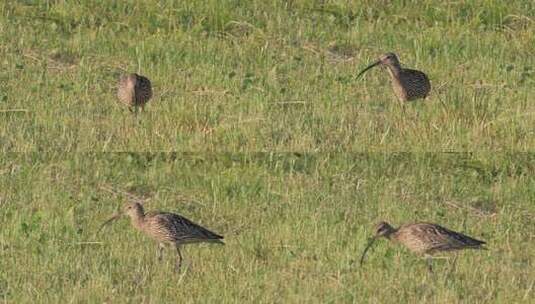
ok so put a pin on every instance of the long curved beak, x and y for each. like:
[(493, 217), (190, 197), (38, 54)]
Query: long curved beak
[(368, 67), (111, 219), (370, 243)]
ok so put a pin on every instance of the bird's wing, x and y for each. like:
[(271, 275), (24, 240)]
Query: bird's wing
[(440, 238), (416, 79), (183, 230), (144, 88)]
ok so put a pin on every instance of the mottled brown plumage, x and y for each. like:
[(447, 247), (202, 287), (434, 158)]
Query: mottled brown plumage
[(134, 91), (407, 84), (167, 228), (425, 238)]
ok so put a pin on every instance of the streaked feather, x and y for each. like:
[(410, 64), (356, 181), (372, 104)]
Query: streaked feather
[(429, 238), (134, 90)]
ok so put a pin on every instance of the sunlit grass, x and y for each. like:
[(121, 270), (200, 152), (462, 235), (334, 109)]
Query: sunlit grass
[(294, 227), (263, 76), (235, 78)]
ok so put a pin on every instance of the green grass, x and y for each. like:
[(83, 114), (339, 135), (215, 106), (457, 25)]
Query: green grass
[(266, 75), (294, 227), (275, 145)]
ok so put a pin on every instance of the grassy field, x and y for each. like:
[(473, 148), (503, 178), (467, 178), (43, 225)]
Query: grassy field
[(266, 75), (274, 144), (294, 226)]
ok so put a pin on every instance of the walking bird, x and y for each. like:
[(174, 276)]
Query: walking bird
[(424, 239), (407, 84), (134, 91), (167, 228)]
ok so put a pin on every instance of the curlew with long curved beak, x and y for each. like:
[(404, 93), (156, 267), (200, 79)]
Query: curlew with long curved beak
[(166, 228), (424, 239), (407, 84)]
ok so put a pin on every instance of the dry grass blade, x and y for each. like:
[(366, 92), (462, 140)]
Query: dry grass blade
[(290, 102), (128, 195), (14, 111), (88, 243), (475, 211)]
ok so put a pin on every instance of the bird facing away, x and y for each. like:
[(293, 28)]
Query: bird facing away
[(424, 239), (167, 228), (407, 84), (134, 91)]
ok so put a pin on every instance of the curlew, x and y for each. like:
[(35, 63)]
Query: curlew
[(167, 228), (424, 239), (407, 84), (134, 91)]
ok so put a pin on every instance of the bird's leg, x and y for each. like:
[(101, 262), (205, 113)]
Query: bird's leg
[(179, 258), (137, 117), (403, 107), (133, 109), (429, 262), (453, 265), (160, 251)]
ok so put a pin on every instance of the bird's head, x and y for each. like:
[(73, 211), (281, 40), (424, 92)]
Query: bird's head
[(383, 229), (133, 209), (388, 59)]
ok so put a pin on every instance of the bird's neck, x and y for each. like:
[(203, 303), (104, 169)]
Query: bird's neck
[(391, 234), (394, 70), (138, 219)]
